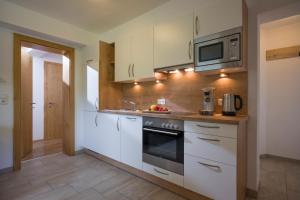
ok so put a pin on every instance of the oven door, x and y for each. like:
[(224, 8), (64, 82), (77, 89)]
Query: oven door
[(163, 148)]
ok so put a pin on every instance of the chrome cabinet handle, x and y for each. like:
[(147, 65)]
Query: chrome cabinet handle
[(132, 70), (118, 127), (208, 139), (129, 70), (203, 126), (96, 120), (96, 103), (161, 172), (197, 25), (209, 165), (190, 50), (159, 131), (131, 118)]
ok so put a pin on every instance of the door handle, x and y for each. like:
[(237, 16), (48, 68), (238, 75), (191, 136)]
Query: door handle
[(129, 70), (118, 127), (96, 120), (197, 25), (132, 70), (190, 49)]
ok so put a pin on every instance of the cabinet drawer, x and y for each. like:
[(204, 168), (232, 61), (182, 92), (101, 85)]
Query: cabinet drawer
[(220, 149), (164, 174), (211, 179), (225, 130)]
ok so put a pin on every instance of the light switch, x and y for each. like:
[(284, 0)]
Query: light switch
[(3, 100)]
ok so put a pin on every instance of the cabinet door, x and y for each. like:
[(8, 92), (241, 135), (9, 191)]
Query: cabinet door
[(173, 41), (123, 58), (142, 53), (131, 141), (109, 128), (90, 135), (212, 179), (218, 16)]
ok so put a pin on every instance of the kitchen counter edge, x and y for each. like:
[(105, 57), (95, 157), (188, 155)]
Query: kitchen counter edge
[(217, 118)]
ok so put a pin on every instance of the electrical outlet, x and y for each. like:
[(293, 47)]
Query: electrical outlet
[(161, 101)]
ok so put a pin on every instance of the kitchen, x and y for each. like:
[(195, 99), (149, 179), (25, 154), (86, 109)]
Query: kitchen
[(163, 100)]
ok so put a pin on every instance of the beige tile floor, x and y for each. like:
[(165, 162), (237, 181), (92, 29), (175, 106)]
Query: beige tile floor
[(59, 177), (82, 177)]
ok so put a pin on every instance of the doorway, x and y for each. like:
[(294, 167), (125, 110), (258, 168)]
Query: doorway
[(43, 71), (43, 99)]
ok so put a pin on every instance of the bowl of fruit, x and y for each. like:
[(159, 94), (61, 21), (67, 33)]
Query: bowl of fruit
[(158, 109)]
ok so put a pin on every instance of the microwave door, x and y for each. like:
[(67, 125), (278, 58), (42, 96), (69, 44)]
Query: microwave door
[(211, 52)]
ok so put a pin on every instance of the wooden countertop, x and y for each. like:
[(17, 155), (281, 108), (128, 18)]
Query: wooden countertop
[(217, 118)]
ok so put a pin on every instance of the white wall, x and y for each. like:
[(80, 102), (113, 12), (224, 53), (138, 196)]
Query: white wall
[(38, 92), (14, 18), (6, 88), (280, 90)]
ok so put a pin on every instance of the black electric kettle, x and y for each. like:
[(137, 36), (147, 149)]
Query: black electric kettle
[(231, 104)]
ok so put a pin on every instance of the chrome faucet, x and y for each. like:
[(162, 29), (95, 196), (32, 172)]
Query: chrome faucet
[(133, 104)]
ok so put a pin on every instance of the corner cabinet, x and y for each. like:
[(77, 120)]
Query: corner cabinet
[(134, 54), (173, 41), (131, 141), (218, 16)]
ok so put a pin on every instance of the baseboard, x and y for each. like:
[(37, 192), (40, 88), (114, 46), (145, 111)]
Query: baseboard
[(6, 170), (251, 193), (79, 151), (279, 157), (149, 177)]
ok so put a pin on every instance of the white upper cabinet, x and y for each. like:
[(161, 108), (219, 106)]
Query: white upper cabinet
[(123, 58), (142, 53), (173, 41), (131, 141), (217, 16), (134, 54)]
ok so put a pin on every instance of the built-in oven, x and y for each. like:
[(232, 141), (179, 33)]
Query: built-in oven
[(219, 51), (163, 143)]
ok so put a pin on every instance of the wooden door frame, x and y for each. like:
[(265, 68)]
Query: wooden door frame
[(27, 41)]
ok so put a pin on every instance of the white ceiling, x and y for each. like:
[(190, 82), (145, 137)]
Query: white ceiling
[(92, 15)]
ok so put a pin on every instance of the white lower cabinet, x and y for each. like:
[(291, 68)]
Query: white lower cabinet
[(164, 174), (109, 131), (91, 137), (212, 179), (131, 141)]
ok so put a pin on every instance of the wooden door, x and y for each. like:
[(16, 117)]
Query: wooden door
[(53, 100), (26, 102)]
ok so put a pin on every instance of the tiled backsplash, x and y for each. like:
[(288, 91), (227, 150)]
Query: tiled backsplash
[(182, 91)]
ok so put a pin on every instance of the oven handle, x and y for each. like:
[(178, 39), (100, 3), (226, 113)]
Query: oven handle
[(159, 131)]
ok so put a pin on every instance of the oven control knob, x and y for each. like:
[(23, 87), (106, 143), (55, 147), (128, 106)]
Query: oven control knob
[(176, 126), (163, 125), (168, 125)]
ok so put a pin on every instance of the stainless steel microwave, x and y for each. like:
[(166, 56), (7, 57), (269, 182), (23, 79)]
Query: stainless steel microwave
[(219, 51)]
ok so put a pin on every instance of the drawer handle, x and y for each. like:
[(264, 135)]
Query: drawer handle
[(131, 118), (208, 139), (203, 126), (210, 166), (156, 170)]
